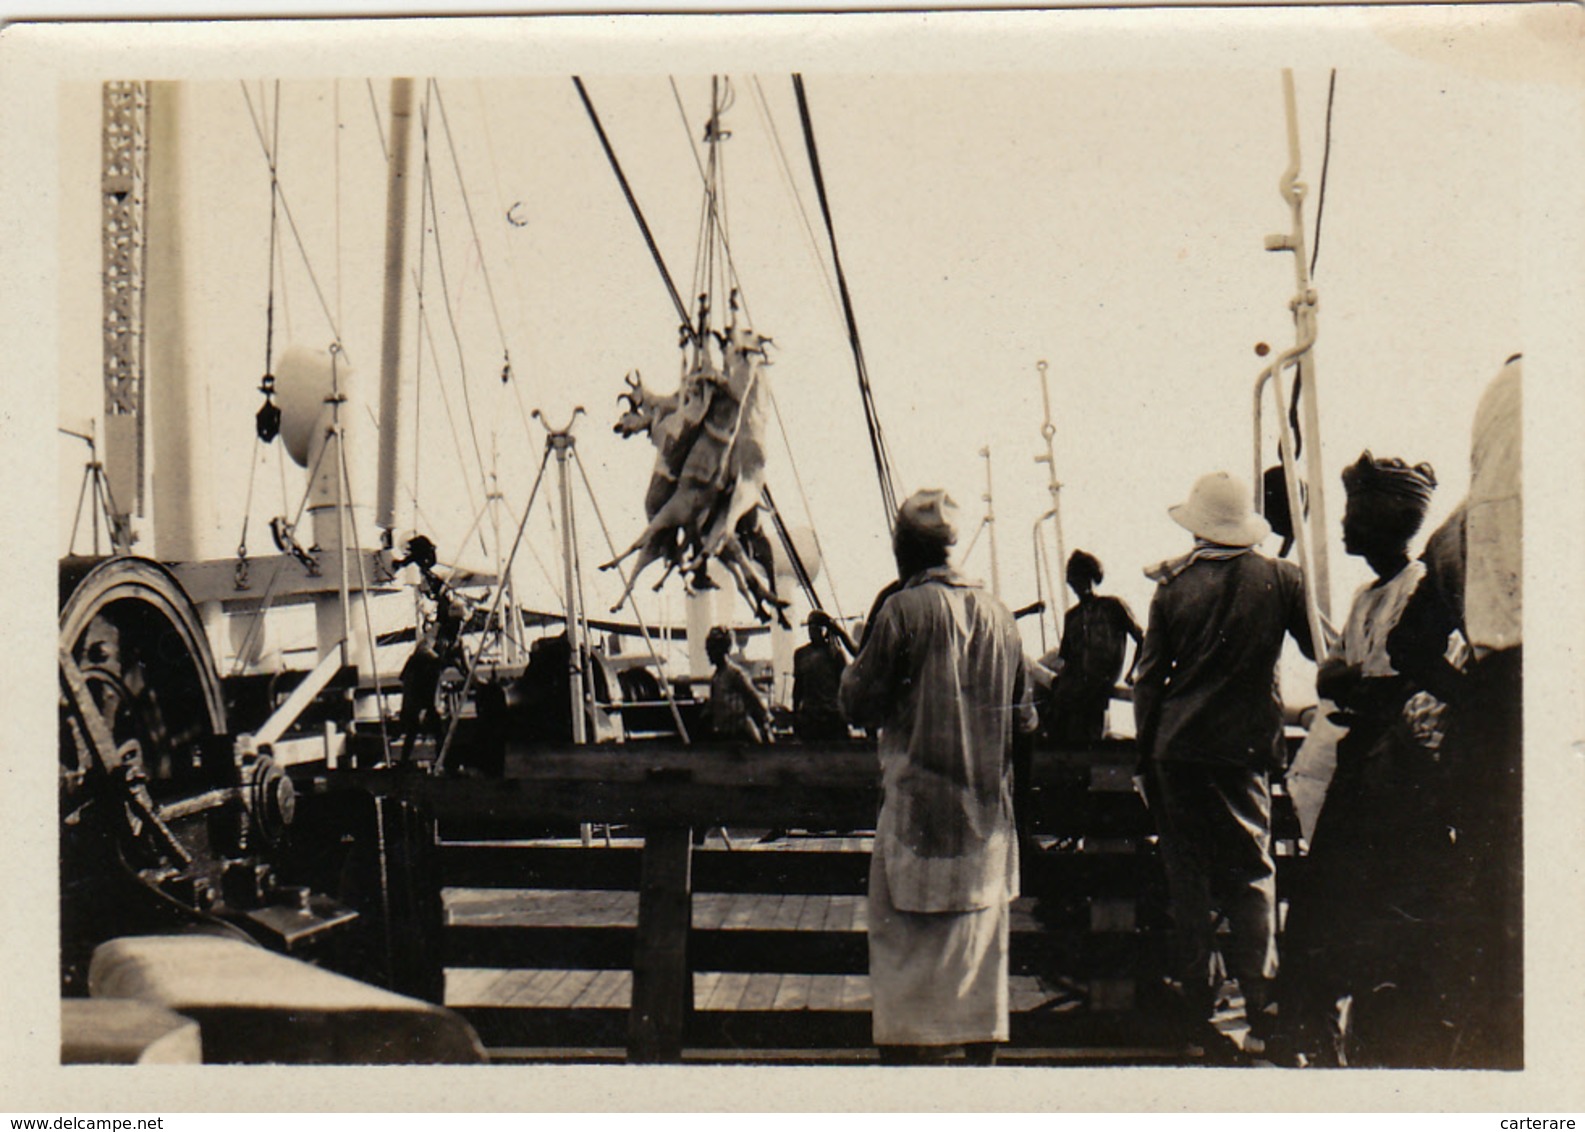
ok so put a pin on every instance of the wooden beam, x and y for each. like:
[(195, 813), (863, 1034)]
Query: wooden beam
[(286, 580), (574, 867), (662, 977)]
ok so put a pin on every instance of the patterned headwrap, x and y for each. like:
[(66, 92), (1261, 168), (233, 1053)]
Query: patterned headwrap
[(1392, 478)]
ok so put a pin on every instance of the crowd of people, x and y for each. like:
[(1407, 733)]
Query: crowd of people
[(1398, 943), (1401, 942)]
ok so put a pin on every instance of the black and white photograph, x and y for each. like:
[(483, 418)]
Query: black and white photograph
[(873, 543)]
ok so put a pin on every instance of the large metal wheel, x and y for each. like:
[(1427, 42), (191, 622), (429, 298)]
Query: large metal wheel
[(141, 649), (148, 783)]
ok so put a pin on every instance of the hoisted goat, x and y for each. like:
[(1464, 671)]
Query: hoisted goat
[(704, 492)]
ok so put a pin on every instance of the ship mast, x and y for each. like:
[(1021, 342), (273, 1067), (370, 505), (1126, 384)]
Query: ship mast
[(1048, 431)]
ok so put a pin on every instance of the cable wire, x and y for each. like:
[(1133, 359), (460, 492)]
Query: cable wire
[(451, 317), (467, 208), (286, 208), (638, 214), (379, 127), (883, 466), (784, 166), (1326, 160)]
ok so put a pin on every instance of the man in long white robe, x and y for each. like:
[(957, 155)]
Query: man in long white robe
[(942, 675)]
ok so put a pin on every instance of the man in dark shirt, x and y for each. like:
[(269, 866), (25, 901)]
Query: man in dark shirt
[(1095, 636), (817, 683), (736, 709), (1209, 722)]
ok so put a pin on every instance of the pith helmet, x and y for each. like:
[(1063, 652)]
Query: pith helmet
[(1219, 510)]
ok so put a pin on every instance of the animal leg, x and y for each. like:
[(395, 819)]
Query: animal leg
[(649, 555)]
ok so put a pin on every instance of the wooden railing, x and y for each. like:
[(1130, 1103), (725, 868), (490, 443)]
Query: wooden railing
[(711, 984)]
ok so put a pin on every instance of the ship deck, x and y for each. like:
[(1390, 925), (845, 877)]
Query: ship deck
[(718, 995)]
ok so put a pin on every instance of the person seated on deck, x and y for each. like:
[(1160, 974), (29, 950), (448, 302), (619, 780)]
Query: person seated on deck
[(817, 683), (736, 710), (1095, 636)]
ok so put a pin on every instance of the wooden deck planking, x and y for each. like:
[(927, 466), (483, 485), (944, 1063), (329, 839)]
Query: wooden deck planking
[(793, 993), (475, 985), (813, 916), (709, 910), (728, 992), (788, 909), (855, 993), (825, 992), (600, 987), (741, 912), (760, 992), (704, 984), (539, 907), (1025, 992), (861, 915), (537, 989)]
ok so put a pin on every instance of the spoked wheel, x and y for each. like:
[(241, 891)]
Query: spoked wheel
[(145, 661), (145, 769)]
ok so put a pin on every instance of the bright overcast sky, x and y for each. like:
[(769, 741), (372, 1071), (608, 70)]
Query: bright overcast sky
[(1097, 203)]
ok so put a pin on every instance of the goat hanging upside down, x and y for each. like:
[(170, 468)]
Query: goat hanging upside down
[(704, 491)]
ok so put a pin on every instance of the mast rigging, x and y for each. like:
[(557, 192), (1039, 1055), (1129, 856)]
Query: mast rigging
[(883, 462), (638, 215)]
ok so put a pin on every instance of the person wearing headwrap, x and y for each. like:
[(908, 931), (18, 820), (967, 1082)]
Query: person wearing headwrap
[(941, 674), (1095, 635), (1364, 922), (1208, 721)]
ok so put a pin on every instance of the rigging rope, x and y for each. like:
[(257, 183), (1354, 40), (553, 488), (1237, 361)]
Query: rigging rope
[(883, 468), (273, 156), (1326, 160), (257, 624), (445, 290), (638, 615), (267, 384), (451, 419), (800, 572), (803, 496), (1315, 252), (736, 280), (638, 215), (784, 166), (336, 146), (379, 127), (286, 209), (363, 591), (489, 621), (512, 270), (467, 208)]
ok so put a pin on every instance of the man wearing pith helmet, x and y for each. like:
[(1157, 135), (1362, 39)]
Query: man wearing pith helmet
[(941, 674), (1208, 719)]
